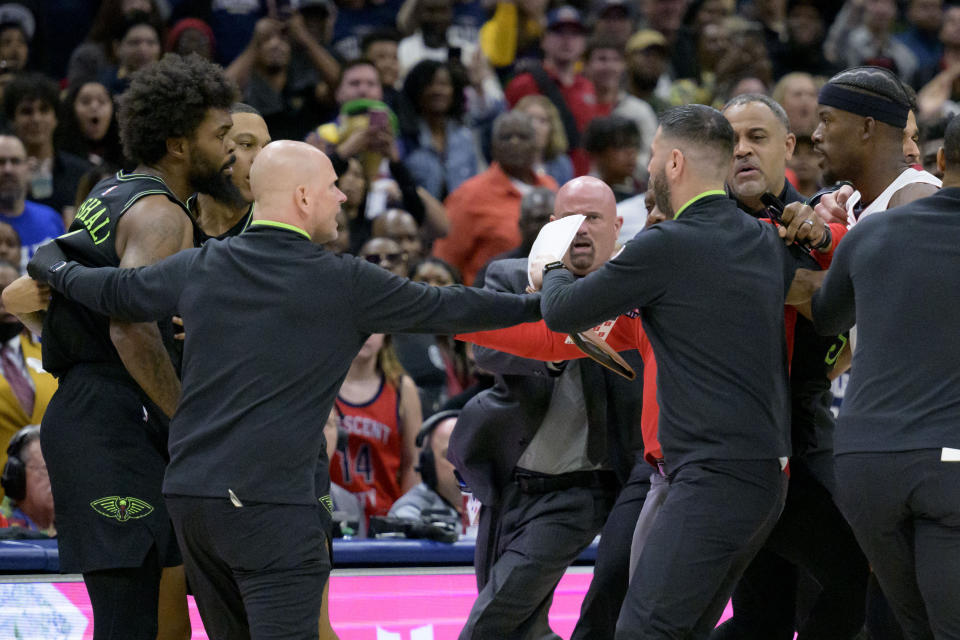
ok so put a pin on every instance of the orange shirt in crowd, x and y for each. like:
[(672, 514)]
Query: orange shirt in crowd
[(483, 212)]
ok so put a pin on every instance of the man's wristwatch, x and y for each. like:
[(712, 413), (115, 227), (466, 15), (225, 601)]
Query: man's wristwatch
[(556, 264)]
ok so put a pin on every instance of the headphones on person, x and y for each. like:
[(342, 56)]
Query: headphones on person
[(14, 478), (427, 464)]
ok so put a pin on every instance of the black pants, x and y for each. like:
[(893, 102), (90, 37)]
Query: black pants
[(256, 571), (811, 534), (124, 601), (716, 516), (523, 549), (904, 508), (601, 605)]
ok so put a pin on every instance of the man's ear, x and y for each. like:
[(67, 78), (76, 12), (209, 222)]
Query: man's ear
[(941, 160), (302, 200), (791, 145), (676, 163), (868, 129), (178, 148)]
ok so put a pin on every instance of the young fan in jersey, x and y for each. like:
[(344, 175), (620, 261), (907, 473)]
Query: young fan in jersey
[(379, 408)]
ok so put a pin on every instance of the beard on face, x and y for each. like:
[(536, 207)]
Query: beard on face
[(11, 190), (211, 180), (661, 193)]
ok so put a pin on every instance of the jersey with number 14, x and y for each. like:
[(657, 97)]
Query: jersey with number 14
[(371, 468)]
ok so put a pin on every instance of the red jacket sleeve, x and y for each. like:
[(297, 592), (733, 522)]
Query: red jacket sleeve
[(534, 340), (837, 231)]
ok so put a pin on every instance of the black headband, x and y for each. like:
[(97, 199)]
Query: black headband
[(864, 104)]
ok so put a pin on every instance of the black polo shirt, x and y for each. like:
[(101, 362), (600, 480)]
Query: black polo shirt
[(274, 323), (710, 286), (895, 275)]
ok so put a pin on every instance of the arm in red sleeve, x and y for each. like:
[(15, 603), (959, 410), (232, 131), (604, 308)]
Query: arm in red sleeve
[(837, 231), (534, 340)]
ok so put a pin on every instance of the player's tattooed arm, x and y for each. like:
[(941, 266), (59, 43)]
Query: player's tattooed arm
[(149, 231)]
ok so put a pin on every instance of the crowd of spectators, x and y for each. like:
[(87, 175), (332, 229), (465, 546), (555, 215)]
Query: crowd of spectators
[(449, 122)]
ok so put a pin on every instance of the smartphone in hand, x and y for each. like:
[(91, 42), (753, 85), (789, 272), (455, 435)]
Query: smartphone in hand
[(378, 119)]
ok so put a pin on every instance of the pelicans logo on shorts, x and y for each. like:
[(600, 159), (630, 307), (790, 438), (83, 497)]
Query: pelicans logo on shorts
[(122, 509)]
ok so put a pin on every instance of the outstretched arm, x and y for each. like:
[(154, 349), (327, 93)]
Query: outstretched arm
[(536, 341), (386, 303)]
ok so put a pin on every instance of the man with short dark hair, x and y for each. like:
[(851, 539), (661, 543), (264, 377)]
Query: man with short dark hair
[(765, 601), (613, 143), (380, 48), (722, 375), (562, 44), (400, 226), (118, 385), (30, 104), (536, 207)]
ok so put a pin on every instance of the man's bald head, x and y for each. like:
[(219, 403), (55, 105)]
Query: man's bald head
[(596, 239), (585, 188), (402, 228), (294, 183)]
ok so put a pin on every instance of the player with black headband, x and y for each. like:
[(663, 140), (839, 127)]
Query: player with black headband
[(104, 434), (897, 444), (863, 112)]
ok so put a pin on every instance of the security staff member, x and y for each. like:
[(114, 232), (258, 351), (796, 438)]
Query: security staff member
[(710, 285), (246, 443), (104, 434), (897, 442), (811, 532)]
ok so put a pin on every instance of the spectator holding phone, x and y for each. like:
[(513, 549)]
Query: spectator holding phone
[(290, 99)]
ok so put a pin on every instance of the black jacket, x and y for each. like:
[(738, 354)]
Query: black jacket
[(273, 322), (496, 426)]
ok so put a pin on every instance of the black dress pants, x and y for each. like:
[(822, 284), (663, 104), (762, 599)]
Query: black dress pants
[(811, 534), (256, 571), (601, 605), (523, 549), (904, 508), (716, 516)]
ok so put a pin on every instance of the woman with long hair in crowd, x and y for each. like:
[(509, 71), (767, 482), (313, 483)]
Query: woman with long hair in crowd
[(88, 124), (379, 408), (441, 149)]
